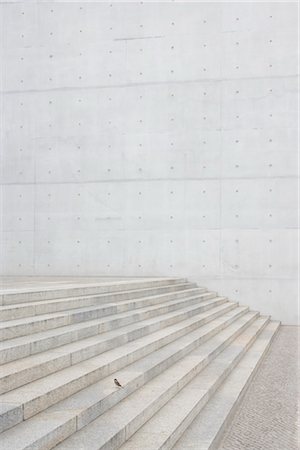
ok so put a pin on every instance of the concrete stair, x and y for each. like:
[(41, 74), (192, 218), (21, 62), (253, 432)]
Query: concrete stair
[(174, 347), (33, 308), (13, 296)]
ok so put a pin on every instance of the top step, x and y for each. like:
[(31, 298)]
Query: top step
[(12, 296)]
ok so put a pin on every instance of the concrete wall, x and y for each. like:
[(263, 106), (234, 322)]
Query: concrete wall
[(153, 139)]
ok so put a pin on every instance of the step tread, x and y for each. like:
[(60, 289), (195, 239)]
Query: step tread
[(10, 296), (66, 313), (77, 326), (21, 347), (131, 372), (21, 364), (87, 285), (119, 420), (159, 429), (35, 389), (93, 395), (91, 296), (207, 427)]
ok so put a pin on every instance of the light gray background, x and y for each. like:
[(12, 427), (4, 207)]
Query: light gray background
[(153, 139)]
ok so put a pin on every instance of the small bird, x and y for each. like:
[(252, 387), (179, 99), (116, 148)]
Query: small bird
[(117, 383)]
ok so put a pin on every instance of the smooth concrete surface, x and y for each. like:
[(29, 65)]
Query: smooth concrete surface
[(153, 139)]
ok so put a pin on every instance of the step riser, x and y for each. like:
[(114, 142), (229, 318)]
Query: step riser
[(92, 413), (66, 318), (49, 442), (117, 364), (136, 334), (169, 444), (214, 445), (23, 310), (14, 416), (171, 344), (24, 350), (20, 378), (125, 433), (23, 412), (44, 401), (30, 296)]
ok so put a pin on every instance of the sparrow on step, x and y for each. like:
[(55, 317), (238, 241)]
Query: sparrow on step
[(117, 383)]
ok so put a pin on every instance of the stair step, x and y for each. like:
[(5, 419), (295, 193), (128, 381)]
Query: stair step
[(18, 296), (20, 347), (21, 327), (28, 369), (206, 431), (19, 310), (89, 403), (24, 402), (118, 424), (160, 431), (184, 356)]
